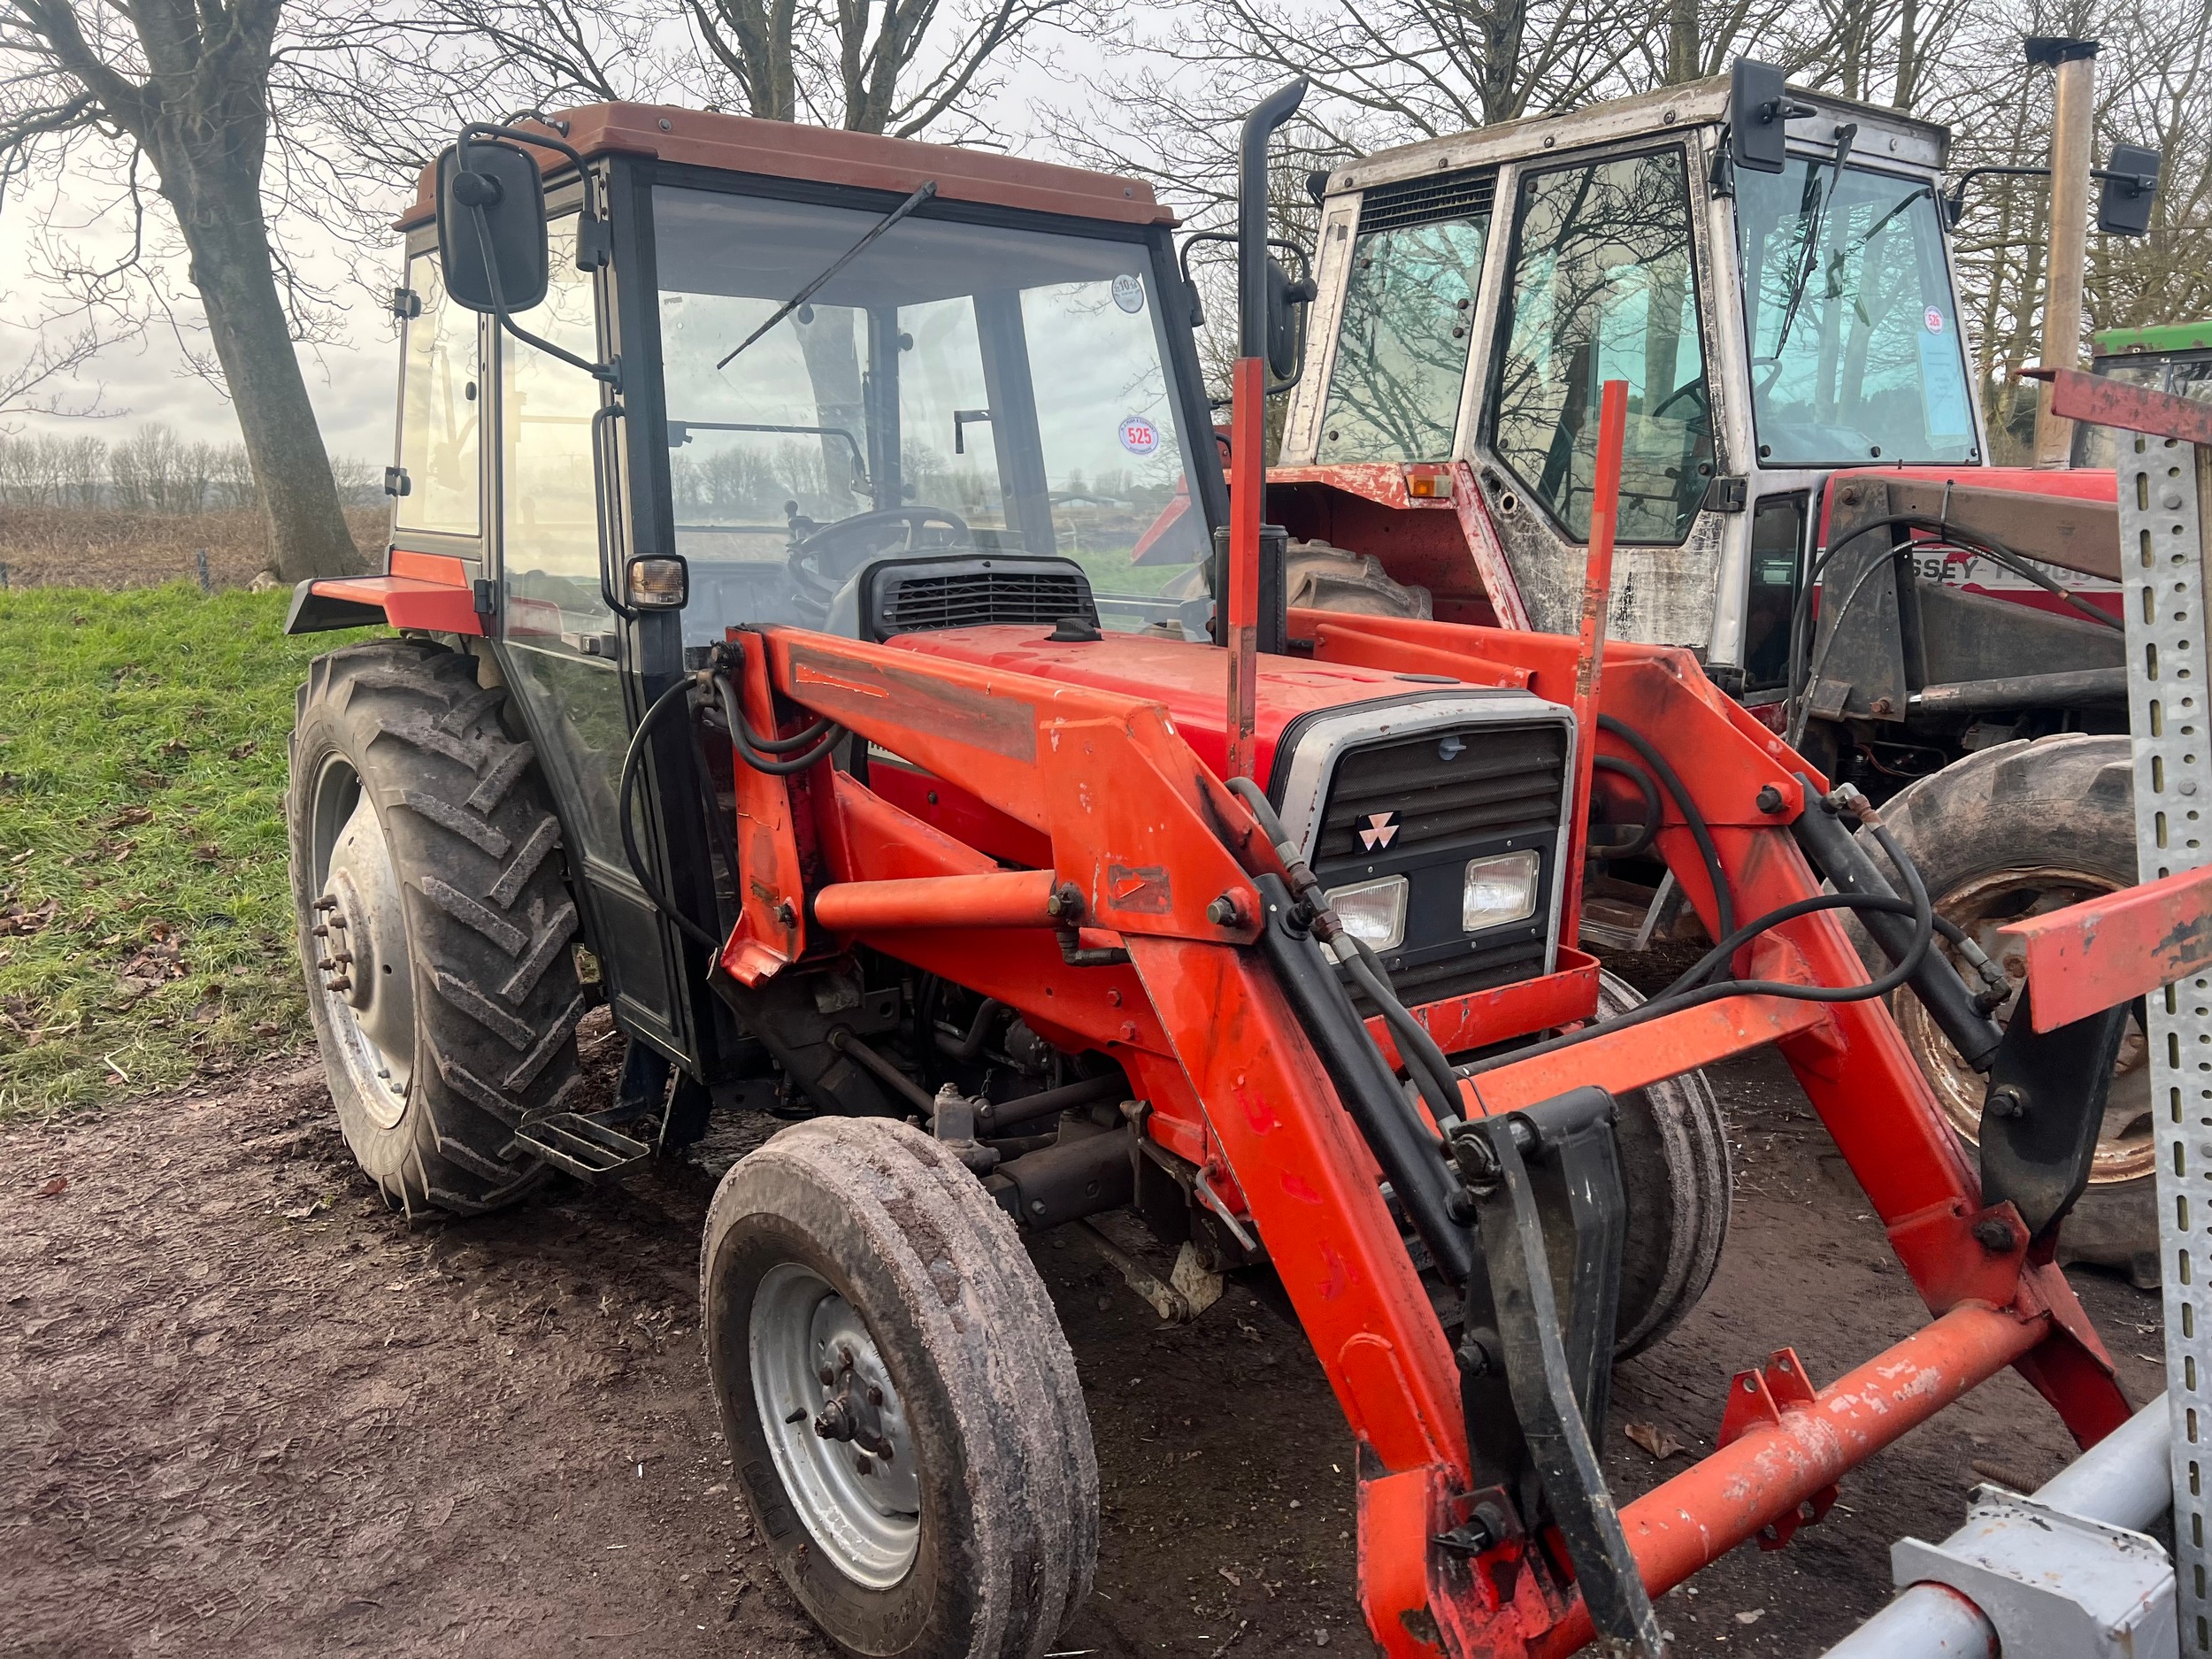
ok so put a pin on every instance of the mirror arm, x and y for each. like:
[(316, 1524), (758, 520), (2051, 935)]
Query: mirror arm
[(609, 373), (602, 417)]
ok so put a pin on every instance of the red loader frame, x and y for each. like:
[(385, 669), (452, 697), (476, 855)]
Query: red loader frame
[(1163, 865)]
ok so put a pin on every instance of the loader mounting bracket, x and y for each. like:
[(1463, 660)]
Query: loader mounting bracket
[(1554, 1161), (2044, 1110)]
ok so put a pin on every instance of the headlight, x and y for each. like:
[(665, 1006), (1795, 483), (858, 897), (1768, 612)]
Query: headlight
[(1373, 912), (1497, 890)]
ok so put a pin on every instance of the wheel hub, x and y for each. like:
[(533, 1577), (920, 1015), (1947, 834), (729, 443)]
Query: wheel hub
[(1982, 909), (363, 966), (836, 1425)]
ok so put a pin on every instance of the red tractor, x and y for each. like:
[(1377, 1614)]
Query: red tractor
[(1808, 505), (774, 661)]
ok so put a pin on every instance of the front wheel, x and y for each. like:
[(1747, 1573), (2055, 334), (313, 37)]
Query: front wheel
[(2008, 833), (902, 1409)]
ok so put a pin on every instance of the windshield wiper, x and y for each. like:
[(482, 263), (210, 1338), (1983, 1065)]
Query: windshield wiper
[(1816, 225), (928, 188)]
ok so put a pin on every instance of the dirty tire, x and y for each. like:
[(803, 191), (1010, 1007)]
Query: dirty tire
[(487, 918), (1676, 1178), (1008, 1480), (2064, 804)]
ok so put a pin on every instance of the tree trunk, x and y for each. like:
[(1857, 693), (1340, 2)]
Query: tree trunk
[(234, 271)]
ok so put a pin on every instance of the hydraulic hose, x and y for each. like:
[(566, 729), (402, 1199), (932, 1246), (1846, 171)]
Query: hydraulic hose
[(674, 696), (1672, 1000), (1723, 905), (776, 755), (1648, 832), (1425, 1063)]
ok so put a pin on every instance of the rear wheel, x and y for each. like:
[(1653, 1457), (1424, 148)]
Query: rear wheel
[(1675, 1179), (901, 1409), (434, 923), (2008, 833)]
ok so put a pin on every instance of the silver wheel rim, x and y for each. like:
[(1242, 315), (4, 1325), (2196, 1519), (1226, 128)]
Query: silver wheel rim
[(815, 1365), (360, 970)]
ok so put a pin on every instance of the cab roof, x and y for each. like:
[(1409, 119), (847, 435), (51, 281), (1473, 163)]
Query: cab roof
[(785, 150), (1884, 134)]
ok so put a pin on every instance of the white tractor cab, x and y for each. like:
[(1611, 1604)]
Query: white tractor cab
[(1806, 503)]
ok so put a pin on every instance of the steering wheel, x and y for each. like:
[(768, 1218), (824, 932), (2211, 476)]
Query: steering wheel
[(1690, 389), (821, 560)]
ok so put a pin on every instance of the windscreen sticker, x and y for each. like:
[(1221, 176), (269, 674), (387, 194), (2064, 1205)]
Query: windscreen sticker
[(1129, 292), (1943, 387), (1139, 435), (1934, 319)]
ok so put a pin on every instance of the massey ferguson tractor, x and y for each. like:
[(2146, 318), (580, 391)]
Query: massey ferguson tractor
[(824, 632), (1807, 503)]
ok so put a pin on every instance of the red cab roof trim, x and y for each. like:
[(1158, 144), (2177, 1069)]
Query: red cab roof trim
[(785, 150)]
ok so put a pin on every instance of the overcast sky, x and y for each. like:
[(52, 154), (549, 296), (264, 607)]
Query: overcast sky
[(351, 381)]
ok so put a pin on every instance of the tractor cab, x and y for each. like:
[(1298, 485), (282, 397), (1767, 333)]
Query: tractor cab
[(1774, 323), (2176, 358)]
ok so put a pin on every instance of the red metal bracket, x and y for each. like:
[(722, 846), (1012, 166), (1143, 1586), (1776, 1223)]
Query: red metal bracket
[(2104, 401), (2105, 951), (1757, 1398)]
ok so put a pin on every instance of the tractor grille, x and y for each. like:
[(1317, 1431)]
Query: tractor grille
[(1502, 781), (1500, 789), (1426, 201), (978, 592)]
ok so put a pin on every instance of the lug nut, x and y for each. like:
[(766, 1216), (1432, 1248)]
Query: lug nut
[(875, 1396), (862, 1466)]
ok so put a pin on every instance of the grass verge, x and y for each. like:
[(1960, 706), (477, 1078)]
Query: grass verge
[(145, 919)]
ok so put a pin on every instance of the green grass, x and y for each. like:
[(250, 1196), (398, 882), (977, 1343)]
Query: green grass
[(145, 918)]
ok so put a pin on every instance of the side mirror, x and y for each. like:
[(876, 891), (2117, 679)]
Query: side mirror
[(657, 582), (491, 226), (1759, 107), (2130, 188), (1287, 303)]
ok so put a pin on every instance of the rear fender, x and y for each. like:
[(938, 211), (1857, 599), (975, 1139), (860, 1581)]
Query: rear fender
[(428, 592)]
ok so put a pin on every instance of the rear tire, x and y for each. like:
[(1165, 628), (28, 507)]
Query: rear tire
[(2012, 831), (1675, 1175), (423, 847), (862, 1246)]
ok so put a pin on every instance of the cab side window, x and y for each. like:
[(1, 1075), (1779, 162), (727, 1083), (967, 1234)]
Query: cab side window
[(1604, 289), (1408, 317), (441, 395)]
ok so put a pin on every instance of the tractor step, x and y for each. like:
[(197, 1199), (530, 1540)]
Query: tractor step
[(581, 1144)]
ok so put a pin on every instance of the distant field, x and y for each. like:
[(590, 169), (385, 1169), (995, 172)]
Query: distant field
[(105, 546), (145, 921)]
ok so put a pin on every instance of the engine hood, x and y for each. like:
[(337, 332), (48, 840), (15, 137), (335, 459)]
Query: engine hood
[(1191, 681)]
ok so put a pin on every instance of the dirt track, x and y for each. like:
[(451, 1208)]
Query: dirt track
[(250, 1411)]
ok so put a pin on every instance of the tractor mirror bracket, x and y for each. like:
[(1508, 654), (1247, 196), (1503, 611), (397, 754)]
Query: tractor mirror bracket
[(493, 233), (1759, 110)]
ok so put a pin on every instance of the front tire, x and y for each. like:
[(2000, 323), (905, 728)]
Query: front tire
[(2012, 831), (855, 1277), (434, 924)]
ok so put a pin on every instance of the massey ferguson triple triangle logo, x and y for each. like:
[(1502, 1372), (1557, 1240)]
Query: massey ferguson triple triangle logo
[(1380, 832)]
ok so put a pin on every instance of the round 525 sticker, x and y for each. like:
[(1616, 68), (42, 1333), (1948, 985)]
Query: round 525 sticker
[(1139, 435), (1129, 292)]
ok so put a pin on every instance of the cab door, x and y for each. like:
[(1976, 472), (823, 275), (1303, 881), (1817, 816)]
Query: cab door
[(566, 651), (1602, 280)]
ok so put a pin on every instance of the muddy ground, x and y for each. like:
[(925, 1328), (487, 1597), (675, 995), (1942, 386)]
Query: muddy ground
[(248, 1410)]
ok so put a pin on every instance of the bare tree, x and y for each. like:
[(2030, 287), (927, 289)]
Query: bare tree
[(184, 87)]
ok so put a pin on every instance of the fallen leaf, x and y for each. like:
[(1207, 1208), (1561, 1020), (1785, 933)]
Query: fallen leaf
[(174, 747), (1654, 1439), (207, 853), (55, 1188), (1231, 1576), (128, 817), (238, 751)]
